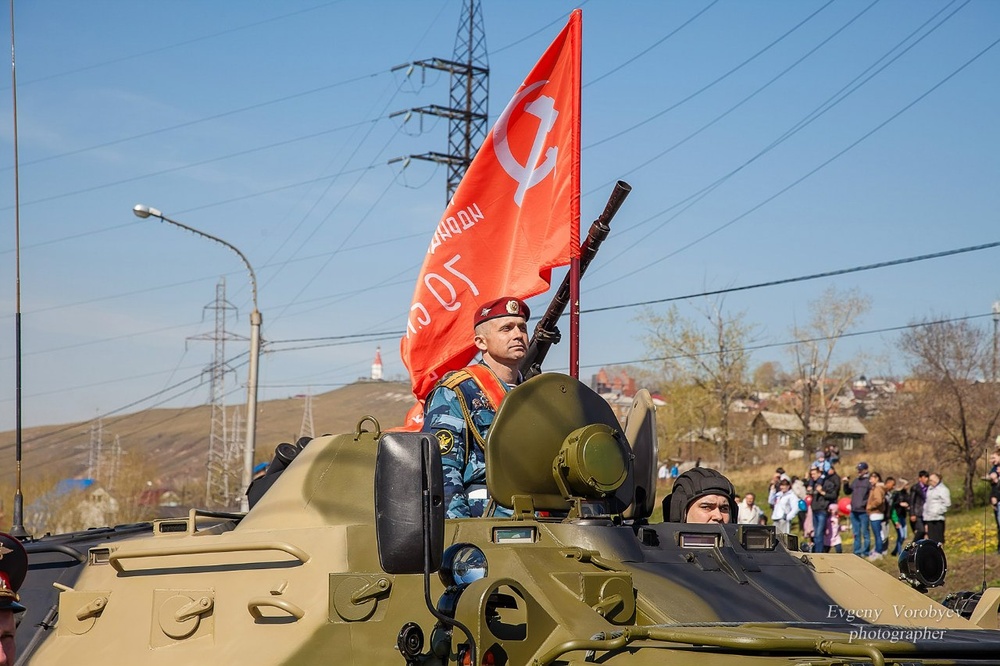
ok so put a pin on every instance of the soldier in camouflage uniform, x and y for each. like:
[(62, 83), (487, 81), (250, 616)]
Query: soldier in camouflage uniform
[(460, 408)]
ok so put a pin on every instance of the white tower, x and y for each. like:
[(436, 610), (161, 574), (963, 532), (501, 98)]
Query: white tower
[(377, 365)]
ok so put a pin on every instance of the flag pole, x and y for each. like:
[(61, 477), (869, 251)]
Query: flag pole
[(574, 317), (576, 35)]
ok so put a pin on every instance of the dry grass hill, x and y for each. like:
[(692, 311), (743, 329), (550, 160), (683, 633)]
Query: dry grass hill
[(174, 442)]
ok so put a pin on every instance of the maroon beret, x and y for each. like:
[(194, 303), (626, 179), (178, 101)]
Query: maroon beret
[(508, 306)]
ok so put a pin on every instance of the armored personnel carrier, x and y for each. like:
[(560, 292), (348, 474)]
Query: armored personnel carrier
[(345, 557)]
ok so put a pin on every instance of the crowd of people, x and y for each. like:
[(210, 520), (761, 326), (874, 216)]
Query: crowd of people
[(881, 513), (460, 409)]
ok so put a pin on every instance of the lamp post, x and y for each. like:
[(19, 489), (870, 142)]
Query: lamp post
[(255, 321)]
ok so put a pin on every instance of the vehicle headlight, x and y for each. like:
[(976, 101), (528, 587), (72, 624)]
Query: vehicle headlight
[(461, 564)]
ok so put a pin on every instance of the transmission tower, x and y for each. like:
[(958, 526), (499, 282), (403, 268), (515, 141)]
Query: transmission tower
[(234, 452), (306, 429), (115, 463), (223, 468), (94, 459), (469, 73)]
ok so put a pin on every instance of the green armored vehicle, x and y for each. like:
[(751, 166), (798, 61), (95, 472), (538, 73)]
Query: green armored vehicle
[(347, 559)]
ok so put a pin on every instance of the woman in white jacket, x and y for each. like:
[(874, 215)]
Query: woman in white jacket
[(786, 505), (935, 506)]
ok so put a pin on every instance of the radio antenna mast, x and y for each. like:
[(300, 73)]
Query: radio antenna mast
[(17, 530)]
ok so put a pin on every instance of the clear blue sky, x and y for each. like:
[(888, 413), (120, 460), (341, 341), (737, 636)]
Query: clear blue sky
[(266, 124)]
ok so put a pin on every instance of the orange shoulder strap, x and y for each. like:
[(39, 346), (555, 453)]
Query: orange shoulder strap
[(494, 389)]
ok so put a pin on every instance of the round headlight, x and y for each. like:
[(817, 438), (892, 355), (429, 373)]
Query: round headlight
[(924, 563), (461, 564)]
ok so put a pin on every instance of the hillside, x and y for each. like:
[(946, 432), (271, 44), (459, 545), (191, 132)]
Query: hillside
[(174, 442)]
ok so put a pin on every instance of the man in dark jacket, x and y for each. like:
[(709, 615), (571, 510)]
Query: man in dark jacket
[(859, 489), (825, 491), (899, 504), (918, 495)]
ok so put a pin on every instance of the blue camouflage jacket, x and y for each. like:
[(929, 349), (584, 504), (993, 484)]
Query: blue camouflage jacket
[(447, 414)]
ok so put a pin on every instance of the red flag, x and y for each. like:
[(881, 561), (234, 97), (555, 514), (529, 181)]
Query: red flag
[(514, 217)]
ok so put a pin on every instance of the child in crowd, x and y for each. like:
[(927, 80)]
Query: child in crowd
[(833, 529)]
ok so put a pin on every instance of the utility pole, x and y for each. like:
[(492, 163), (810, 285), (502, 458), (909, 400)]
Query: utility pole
[(469, 73)]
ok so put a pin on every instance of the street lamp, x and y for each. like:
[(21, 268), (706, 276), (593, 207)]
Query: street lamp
[(255, 320)]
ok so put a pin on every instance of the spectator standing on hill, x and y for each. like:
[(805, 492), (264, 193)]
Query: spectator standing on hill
[(786, 505), (822, 462), (811, 541), (918, 495), (896, 516), (799, 489), (749, 513), (936, 505), (859, 489), (994, 479), (825, 491), (773, 490), (876, 512), (833, 529)]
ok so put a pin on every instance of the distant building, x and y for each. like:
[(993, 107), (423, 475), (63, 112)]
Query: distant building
[(162, 502), (377, 365), (772, 429), (618, 389), (72, 505), (617, 385)]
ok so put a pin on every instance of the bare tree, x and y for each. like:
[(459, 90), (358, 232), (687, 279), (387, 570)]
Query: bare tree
[(709, 353), (769, 376), (831, 315), (955, 409)]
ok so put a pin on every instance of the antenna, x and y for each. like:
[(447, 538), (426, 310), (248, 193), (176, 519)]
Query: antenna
[(17, 530)]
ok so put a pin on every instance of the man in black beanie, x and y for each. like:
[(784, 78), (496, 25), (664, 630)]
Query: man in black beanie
[(700, 495)]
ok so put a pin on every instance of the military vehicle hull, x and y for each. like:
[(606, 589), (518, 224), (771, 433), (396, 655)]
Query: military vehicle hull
[(300, 579)]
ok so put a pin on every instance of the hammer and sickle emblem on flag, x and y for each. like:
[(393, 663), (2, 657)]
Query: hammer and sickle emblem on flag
[(531, 172)]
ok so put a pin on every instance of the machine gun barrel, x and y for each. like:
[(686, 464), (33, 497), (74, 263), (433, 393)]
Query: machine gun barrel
[(546, 333)]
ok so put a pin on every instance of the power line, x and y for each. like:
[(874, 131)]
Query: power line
[(713, 82), (169, 47), (813, 171), (801, 278), (652, 46), (733, 108), (191, 165), (791, 343), (198, 121), (840, 95), (327, 338), (557, 21)]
